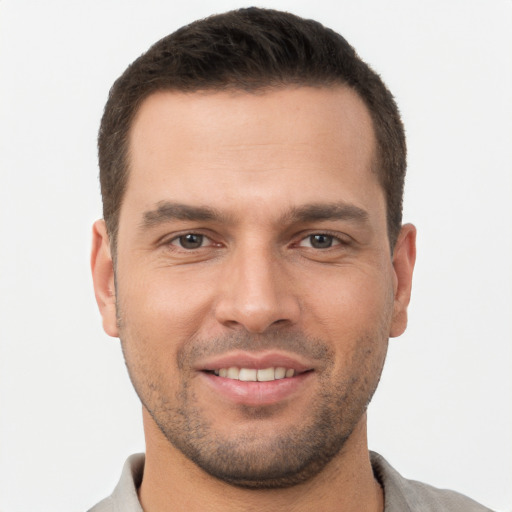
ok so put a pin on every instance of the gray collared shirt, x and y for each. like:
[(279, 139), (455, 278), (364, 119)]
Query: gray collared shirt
[(400, 494)]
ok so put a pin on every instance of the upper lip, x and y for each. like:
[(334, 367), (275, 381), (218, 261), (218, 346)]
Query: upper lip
[(257, 360)]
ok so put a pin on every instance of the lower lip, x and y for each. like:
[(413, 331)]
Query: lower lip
[(256, 393)]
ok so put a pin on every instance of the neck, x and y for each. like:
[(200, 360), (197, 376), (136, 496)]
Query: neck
[(173, 482)]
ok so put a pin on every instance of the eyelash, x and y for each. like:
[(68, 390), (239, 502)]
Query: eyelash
[(176, 240), (335, 240)]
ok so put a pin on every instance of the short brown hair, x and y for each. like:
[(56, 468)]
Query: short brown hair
[(248, 49)]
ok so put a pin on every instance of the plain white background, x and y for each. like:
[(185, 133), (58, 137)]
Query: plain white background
[(443, 412)]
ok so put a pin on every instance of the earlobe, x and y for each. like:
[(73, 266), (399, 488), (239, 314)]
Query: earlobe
[(102, 268), (404, 257)]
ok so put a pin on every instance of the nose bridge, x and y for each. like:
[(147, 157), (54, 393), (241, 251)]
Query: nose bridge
[(255, 292)]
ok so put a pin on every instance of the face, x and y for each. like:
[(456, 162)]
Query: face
[(255, 288)]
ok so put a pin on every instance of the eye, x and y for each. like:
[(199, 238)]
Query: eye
[(190, 241), (319, 241)]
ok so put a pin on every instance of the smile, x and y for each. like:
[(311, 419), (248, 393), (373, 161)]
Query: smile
[(256, 378), (254, 374)]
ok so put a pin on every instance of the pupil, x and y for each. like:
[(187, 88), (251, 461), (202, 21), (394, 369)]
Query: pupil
[(191, 241), (321, 241)]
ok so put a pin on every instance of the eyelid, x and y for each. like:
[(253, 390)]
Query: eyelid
[(172, 241), (338, 238), (177, 238)]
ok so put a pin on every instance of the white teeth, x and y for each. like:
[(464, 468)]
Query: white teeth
[(253, 375), (266, 375), (248, 374), (280, 373), (233, 373)]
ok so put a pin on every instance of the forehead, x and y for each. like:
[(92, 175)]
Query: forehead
[(267, 116), (208, 146)]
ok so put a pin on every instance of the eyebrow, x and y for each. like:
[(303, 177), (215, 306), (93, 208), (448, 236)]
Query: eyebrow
[(167, 211), (315, 212)]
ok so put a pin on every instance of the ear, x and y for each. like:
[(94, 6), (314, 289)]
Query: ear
[(404, 256), (103, 277)]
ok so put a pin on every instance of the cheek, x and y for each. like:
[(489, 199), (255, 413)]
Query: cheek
[(161, 309), (157, 317), (351, 301), (353, 312)]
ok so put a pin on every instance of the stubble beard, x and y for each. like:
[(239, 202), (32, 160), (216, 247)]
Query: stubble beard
[(244, 458)]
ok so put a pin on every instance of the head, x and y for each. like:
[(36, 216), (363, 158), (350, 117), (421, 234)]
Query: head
[(252, 169), (249, 50)]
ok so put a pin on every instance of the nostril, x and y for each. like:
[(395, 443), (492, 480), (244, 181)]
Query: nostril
[(256, 312)]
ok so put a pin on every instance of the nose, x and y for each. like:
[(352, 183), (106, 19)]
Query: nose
[(256, 292)]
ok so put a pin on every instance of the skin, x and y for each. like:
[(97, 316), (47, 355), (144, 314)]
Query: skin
[(257, 284)]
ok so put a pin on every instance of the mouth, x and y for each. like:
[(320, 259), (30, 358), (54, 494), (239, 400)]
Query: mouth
[(256, 374), (256, 379)]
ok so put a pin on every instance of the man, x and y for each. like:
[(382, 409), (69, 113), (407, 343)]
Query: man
[(253, 263)]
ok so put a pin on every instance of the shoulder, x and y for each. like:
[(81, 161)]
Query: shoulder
[(124, 498), (401, 494), (106, 505)]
